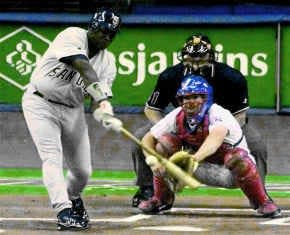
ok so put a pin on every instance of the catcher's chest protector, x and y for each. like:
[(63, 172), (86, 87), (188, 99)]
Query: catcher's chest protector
[(196, 138)]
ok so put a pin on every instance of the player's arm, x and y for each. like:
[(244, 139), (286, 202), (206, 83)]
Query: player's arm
[(149, 141), (153, 115), (101, 108), (240, 89), (82, 65), (241, 116), (166, 125), (211, 144), (95, 87), (158, 101)]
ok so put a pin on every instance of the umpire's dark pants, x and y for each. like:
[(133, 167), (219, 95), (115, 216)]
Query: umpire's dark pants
[(142, 170), (255, 142), (258, 148)]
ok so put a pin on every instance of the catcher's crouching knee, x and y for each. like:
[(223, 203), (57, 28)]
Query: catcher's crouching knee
[(240, 164), (214, 175)]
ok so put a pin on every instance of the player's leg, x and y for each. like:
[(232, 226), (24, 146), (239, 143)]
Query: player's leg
[(258, 149), (76, 147), (162, 199), (143, 172), (44, 127), (43, 123), (77, 154), (207, 173), (214, 175), (247, 177)]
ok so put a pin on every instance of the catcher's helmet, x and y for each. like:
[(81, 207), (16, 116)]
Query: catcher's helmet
[(105, 20), (197, 45), (195, 84), (191, 85)]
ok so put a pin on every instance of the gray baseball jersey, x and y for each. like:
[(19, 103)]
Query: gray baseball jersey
[(59, 81)]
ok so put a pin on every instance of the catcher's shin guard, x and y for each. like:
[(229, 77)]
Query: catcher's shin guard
[(249, 180), (162, 199)]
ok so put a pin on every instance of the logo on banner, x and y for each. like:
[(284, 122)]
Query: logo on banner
[(145, 63), (20, 51)]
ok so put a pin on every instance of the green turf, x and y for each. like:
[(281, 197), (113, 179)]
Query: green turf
[(107, 174), (103, 190), (36, 173)]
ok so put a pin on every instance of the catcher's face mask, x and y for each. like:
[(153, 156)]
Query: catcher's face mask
[(192, 104), (196, 97)]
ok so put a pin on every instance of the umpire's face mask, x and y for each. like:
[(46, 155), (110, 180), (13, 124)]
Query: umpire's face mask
[(198, 65)]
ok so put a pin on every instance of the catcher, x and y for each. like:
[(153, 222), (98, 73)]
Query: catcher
[(214, 136)]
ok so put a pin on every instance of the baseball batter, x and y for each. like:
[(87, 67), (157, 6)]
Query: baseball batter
[(76, 64)]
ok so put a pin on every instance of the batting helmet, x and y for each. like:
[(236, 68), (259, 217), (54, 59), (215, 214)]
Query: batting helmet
[(105, 20)]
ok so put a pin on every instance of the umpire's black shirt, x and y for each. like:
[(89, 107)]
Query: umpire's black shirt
[(229, 88)]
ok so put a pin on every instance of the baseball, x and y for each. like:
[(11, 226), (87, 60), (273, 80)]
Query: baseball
[(152, 161)]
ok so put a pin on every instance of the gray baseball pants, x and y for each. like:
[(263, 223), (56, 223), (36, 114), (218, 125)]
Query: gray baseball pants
[(60, 134)]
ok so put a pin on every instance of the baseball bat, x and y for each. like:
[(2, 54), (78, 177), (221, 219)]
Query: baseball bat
[(171, 168)]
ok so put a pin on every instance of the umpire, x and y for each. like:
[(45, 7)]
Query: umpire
[(230, 91)]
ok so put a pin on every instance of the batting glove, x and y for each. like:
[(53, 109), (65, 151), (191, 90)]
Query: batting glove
[(112, 123), (105, 107), (104, 114)]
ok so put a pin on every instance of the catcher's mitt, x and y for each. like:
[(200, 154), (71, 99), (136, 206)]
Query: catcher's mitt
[(183, 160)]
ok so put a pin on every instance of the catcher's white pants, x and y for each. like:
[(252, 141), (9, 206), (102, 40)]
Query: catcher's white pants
[(59, 133)]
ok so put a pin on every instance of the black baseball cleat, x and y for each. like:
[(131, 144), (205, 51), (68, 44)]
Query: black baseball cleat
[(143, 194), (67, 221), (78, 209)]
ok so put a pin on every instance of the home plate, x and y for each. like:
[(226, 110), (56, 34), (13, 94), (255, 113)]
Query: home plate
[(173, 228)]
